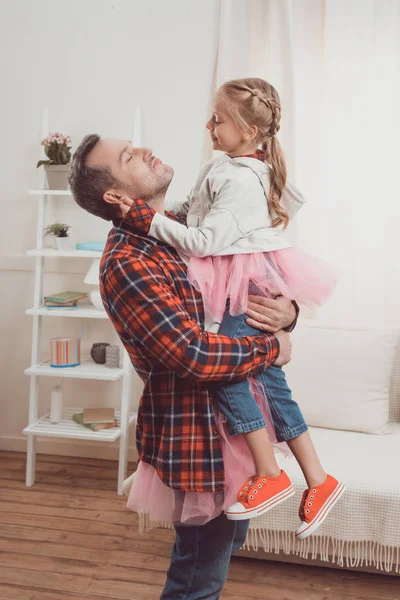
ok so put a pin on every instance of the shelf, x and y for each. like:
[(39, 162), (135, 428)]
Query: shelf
[(64, 253), (50, 193), (83, 311), (88, 369), (67, 428), (56, 261)]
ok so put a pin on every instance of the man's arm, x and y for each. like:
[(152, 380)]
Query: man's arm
[(140, 298)]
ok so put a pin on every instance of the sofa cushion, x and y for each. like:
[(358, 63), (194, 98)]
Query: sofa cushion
[(341, 377)]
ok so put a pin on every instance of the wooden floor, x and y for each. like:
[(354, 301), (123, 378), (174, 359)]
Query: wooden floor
[(70, 537)]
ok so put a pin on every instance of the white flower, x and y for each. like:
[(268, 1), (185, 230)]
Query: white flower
[(57, 138)]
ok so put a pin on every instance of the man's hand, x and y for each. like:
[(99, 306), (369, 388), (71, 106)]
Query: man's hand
[(271, 315), (285, 352)]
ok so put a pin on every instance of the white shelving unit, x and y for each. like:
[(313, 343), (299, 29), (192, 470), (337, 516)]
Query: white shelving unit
[(50, 192), (88, 369), (49, 252), (67, 428), (84, 311)]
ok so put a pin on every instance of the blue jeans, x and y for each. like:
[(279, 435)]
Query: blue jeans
[(200, 559), (238, 404)]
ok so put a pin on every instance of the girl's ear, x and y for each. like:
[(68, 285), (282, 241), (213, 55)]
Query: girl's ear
[(250, 134)]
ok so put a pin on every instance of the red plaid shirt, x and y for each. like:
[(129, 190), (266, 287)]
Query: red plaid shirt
[(160, 319)]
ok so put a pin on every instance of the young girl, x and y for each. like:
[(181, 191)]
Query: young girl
[(234, 245)]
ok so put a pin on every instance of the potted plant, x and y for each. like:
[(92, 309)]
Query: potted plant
[(58, 150), (60, 238)]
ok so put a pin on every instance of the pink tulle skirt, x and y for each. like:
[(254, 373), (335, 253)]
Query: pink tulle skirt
[(290, 272), (155, 502)]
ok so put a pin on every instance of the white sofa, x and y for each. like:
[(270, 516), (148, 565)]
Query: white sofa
[(346, 379), (347, 382)]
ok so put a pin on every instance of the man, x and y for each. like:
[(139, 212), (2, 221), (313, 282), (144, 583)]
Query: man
[(160, 319)]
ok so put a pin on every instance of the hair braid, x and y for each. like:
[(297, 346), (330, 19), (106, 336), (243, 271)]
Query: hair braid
[(254, 101), (278, 174)]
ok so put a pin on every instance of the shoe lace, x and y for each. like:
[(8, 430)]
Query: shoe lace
[(254, 485), (306, 503), (246, 489)]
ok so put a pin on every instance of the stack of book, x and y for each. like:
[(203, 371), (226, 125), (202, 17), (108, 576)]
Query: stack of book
[(96, 419), (64, 300)]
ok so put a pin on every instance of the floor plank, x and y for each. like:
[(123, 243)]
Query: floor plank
[(18, 484), (70, 537), (11, 592), (64, 550)]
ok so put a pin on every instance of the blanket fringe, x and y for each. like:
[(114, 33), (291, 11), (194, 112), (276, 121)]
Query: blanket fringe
[(146, 524), (328, 549)]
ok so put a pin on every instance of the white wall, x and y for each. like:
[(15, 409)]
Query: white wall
[(90, 62)]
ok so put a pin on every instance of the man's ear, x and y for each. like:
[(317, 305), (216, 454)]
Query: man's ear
[(112, 197)]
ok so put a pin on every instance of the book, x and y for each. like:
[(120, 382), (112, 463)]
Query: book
[(97, 246), (78, 418), (98, 415), (58, 305), (65, 297)]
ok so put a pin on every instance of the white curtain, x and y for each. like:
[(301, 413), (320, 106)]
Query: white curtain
[(336, 65)]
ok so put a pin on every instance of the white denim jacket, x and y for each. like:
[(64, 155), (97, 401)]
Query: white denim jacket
[(227, 211)]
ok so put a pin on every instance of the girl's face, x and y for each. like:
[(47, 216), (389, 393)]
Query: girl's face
[(225, 134)]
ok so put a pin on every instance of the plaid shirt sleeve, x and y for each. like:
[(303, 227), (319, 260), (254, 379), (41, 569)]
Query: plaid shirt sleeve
[(141, 297), (140, 216)]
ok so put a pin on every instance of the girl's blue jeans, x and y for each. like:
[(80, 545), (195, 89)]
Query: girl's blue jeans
[(237, 402)]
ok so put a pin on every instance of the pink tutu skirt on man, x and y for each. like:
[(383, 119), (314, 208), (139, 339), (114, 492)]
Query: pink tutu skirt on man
[(156, 503)]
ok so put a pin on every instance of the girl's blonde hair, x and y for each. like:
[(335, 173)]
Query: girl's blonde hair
[(254, 101)]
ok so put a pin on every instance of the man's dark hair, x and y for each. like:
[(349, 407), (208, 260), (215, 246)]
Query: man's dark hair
[(88, 184)]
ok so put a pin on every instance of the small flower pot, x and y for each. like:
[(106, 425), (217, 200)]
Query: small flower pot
[(64, 243), (57, 176), (53, 242)]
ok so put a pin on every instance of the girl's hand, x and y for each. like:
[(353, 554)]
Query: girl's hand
[(267, 314), (125, 200)]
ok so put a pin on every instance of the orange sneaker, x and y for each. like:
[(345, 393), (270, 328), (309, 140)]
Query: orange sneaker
[(258, 495), (316, 504)]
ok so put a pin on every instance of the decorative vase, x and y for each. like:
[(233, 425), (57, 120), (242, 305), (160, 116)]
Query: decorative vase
[(98, 352), (57, 176), (64, 243), (113, 357), (65, 352)]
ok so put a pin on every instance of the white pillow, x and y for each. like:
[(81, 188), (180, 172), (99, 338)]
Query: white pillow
[(340, 377)]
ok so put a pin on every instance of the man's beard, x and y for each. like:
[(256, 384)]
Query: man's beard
[(160, 185)]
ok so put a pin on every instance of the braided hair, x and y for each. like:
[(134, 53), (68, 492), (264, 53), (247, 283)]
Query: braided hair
[(254, 101)]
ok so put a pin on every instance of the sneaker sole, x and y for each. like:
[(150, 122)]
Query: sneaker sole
[(262, 508), (323, 512)]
